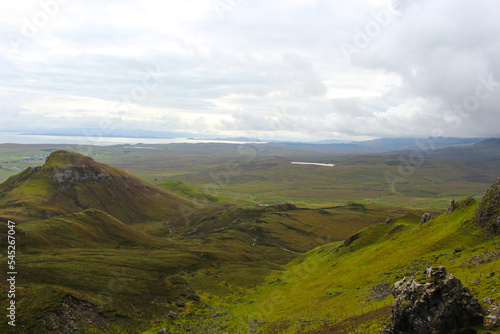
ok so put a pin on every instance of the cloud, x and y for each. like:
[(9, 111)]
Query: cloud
[(279, 66)]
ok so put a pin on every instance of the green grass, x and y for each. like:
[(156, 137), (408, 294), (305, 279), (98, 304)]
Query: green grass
[(263, 173), (123, 245), (334, 283)]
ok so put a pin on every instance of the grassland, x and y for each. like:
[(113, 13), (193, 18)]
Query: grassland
[(248, 266), (262, 173), (334, 289)]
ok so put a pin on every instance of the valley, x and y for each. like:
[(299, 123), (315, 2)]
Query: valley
[(225, 238)]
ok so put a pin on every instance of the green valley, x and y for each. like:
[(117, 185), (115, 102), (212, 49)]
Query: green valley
[(218, 238)]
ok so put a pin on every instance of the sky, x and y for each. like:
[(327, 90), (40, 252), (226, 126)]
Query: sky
[(304, 69)]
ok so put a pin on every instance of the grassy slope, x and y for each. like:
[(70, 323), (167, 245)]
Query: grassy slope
[(184, 190), (36, 192), (330, 284)]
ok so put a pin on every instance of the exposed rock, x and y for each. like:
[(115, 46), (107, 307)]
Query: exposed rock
[(437, 304), (492, 318), (452, 207), (73, 316), (396, 228), (349, 241), (425, 218), (488, 211), (172, 314), (379, 291), (285, 207), (462, 203), (71, 174)]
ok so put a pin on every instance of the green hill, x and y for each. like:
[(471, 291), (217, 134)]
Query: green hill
[(69, 182)]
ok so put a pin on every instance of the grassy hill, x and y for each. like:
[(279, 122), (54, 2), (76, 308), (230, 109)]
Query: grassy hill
[(69, 182)]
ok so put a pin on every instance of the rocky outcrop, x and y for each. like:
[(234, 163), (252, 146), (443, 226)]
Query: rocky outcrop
[(70, 174), (425, 218), (349, 241), (436, 303), (456, 205), (452, 207), (488, 211), (73, 316), (285, 207)]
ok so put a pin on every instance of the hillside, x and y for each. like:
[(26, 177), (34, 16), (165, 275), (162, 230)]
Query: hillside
[(345, 287), (138, 258), (69, 182)]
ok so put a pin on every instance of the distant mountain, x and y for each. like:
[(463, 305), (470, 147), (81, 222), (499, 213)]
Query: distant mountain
[(398, 144), (69, 182), (489, 148)]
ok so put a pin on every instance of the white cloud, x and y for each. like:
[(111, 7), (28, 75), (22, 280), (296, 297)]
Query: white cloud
[(261, 66)]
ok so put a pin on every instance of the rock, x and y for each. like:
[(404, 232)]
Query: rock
[(162, 331), (181, 304), (488, 210), (425, 218), (455, 205), (349, 241), (452, 207), (436, 304), (285, 207), (172, 314), (492, 318)]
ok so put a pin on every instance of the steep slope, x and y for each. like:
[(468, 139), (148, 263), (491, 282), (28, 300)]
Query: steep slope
[(345, 287), (69, 182), (89, 228)]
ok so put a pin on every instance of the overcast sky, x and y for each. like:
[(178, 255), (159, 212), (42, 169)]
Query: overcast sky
[(276, 68)]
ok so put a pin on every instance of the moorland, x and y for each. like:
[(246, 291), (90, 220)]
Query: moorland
[(233, 238)]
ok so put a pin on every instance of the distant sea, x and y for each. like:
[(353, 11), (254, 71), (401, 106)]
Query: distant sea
[(20, 138)]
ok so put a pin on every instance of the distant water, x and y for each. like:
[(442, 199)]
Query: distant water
[(19, 138), (312, 163)]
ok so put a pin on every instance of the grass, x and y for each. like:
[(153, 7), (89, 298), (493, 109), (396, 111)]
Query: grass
[(255, 174), (137, 251), (333, 283)]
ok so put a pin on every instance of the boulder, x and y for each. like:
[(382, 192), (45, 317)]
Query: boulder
[(436, 303)]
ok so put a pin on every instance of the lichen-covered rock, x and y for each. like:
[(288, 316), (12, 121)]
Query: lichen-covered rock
[(437, 303)]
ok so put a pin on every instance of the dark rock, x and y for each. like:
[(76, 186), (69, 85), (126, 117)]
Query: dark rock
[(180, 304), (488, 210), (452, 207), (285, 207), (349, 240), (438, 303), (425, 218)]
